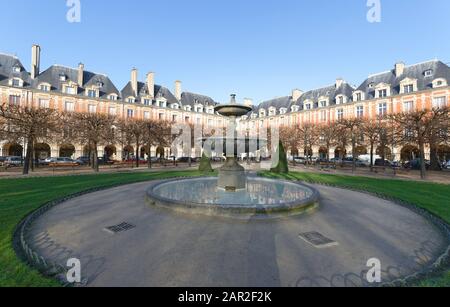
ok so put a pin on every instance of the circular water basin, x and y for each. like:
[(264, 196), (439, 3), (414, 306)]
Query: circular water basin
[(263, 198)]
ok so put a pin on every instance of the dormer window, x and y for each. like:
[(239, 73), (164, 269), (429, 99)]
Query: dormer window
[(262, 113), (308, 106), (188, 108), (428, 73), (409, 88), (175, 106), (112, 97), (254, 116), (62, 78), (371, 85), (92, 93), (439, 83), (341, 99), (295, 108), (70, 90), (16, 69), (283, 111), (44, 87), (99, 84), (382, 93), (16, 82), (131, 99), (323, 104), (272, 112)]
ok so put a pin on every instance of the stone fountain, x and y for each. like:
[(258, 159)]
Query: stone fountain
[(233, 193)]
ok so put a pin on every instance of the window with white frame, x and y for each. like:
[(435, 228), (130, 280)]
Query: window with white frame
[(14, 99), (340, 114), (112, 97), (308, 106), (92, 108), (70, 90), (44, 103), (283, 111), (382, 93), (382, 109), (146, 115), (131, 100), (440, 102), (360, 111), (272, 112), (323, 103), (130, 113), (44, 87), (16, 69), (408, 106), (358, 96), (16, 82), (295, 108), (69, 106), (409, 88), (439, 83), (112, 111), (428, 73), (147, 102), (92, 93)]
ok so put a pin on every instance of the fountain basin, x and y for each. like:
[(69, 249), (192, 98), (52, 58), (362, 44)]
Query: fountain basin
[(262, 198)]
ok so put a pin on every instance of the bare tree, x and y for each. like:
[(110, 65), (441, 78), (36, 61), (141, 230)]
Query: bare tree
[(351, 128), (93, 129), (308, 138), (157, 133), (328, 134), (438, 134), (30, 124), (134, 131), (289, 136), (420, 127)]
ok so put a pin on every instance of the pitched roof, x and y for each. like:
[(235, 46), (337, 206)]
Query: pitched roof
[(160, 91), (53, 74), (7, 63), (191, 99), (417, 71), (330, 92)]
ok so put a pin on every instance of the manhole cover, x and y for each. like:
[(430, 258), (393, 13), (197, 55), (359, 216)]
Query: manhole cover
[(120, 228), (317, 239)]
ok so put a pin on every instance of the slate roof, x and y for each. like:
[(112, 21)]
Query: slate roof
[(191, 99), (7, 63), (52, 76), (160, 91), (330, 92), (417, 71), (279, 103)]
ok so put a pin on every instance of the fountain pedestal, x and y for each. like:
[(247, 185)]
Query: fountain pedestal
[(232, 176)]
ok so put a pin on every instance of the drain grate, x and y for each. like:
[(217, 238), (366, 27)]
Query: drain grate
[(120, 228), (317, 239)]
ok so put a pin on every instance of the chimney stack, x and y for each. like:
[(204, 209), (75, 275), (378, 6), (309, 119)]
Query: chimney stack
[(399, 69), (178, 90), (134, 81), (80, 74), (339, 82), (151, 84), (296, 94), (35, 61)]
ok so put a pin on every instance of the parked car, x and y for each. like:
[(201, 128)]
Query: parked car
[(83, 160), (336, 160), (64, 161), (382, 163), (13, 161), (300, 160), (2, 160), (185, 160), (416, 164), (447, 165)]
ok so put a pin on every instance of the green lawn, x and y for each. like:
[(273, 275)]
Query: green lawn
[(19, 197), (430, 196)]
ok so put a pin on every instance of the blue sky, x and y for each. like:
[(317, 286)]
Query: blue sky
[(254, 48)]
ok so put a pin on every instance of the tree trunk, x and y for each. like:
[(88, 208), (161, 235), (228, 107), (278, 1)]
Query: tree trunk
[(354, 157), (95, 158), (434, 159), (372, 145), (137, 154), (423, 166), (28, 157), (149, 161)]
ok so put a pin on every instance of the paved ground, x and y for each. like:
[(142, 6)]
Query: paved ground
[(168, 249)]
